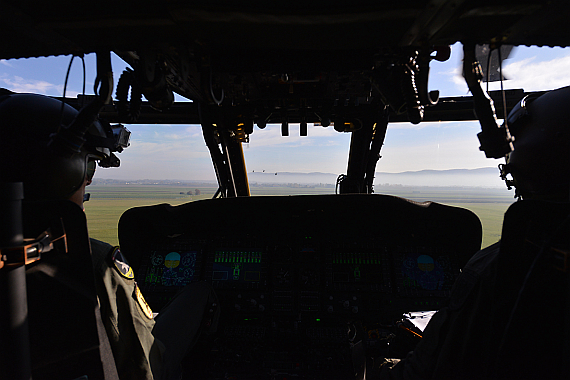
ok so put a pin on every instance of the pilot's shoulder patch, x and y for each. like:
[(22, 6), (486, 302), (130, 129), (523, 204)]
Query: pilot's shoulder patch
[(145, 308), (121, 264)]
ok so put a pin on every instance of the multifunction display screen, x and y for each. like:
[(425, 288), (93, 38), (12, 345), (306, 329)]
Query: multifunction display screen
[(426, 272), (174, 268), (237, 266)]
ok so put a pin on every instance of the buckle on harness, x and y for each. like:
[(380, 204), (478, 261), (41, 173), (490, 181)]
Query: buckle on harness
[(30, 252), (561, 257)]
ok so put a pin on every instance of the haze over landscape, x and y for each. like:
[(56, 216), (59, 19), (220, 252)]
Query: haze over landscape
[(480, 178)]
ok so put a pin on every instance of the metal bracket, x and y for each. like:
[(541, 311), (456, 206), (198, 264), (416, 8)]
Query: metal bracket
[(30, 252), (495, 141)]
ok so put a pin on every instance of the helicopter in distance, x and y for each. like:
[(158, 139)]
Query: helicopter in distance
[(308, 287)]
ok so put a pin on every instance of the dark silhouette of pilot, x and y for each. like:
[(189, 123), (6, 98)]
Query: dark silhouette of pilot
[(482, 333), (145, 346)]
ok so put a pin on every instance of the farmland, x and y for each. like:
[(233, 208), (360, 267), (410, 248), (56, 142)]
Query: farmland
[(108, 202)]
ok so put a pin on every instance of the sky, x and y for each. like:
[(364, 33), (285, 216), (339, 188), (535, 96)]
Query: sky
[(178, 152)]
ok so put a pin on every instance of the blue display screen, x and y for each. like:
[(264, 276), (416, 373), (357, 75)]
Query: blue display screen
[(175, 268), (425, 272)]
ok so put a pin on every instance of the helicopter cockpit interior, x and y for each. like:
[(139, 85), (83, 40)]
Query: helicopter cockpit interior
[(303, 272), (298, 278)]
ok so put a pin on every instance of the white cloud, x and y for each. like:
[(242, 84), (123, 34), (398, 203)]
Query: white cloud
[(533, 75), (530, 74), (19, 84), (457, 78), (6, 63)]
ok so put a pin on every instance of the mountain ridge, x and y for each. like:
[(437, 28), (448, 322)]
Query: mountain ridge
[(478, 177)]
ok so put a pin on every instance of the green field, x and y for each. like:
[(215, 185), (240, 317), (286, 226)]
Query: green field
[(108, 202)]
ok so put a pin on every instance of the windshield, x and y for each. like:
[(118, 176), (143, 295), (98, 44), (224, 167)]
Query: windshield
[(428, 161)]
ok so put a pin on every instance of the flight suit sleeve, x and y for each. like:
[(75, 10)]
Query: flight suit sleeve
[(420, 363), (127, 318)]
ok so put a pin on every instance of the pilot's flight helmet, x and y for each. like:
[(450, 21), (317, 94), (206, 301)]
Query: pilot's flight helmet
[(28, 125), (540, 162)]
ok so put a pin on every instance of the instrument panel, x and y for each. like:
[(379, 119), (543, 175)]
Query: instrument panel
[(303, 280), (295, 275)]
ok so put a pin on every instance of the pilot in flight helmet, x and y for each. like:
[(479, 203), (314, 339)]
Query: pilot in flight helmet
[(50, 146), (540, 161)]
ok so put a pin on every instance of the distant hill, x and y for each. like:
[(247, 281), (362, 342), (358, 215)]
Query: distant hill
[(482, 177)]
